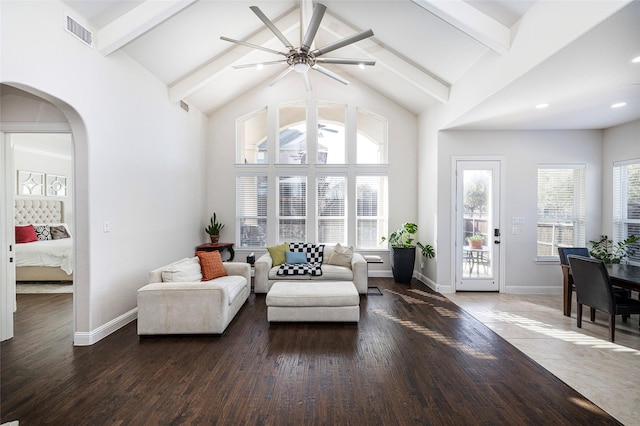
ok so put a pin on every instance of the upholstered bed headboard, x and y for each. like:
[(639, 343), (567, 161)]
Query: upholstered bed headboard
[(38, 211)]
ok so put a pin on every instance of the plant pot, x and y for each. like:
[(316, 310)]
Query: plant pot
[(402, 261), (215, 238), (475, 244)]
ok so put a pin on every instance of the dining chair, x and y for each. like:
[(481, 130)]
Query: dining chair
[(563, 252), (594, 289), (568, 286)]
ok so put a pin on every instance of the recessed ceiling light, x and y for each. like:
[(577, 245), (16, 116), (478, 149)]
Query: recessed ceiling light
[(260, 66), (636, 60), (541, 106), (618, 105), (361, 66)]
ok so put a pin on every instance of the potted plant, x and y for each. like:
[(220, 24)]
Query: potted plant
[(605, 250), (402, 252), (214, 229), (475, 241)]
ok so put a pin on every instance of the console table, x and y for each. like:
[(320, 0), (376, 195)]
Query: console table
[(218, 247)]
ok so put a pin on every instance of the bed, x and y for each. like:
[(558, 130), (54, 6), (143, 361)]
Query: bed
[(48, 257)]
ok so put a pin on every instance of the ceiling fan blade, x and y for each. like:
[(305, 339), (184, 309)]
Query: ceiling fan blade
[(330, 73), (272, 27), (280, 76), (314, 24), (307, 82), (282, 61), (341, 43), (255, 46), (346, 61)]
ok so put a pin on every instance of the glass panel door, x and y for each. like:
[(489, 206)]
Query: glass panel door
[(478, 233)]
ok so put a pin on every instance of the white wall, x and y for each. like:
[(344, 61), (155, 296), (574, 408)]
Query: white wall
[(139, 161), (402, 140), (522, 151), (620, 143), (31, 153)]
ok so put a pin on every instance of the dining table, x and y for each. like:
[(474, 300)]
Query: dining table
[(621, 275)]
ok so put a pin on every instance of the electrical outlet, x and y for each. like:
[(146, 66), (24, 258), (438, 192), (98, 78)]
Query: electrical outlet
[(106, 227)]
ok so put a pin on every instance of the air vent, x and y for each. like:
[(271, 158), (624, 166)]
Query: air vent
[(80, 32), (184, 106)]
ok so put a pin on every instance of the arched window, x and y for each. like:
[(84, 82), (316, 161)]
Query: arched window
[(327, 185)]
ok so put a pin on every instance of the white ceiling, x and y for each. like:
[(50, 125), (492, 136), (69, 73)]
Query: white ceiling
[(424, 49)]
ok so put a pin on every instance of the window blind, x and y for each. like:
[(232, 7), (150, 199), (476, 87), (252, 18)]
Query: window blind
[(292, 208), (371, 210), (251, 210), (332, 218), (561, 208), (626, 204)]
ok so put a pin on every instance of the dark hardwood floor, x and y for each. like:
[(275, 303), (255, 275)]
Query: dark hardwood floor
[(414, 358)]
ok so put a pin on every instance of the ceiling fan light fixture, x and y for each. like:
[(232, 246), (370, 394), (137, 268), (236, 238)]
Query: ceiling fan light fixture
[(301, 59)]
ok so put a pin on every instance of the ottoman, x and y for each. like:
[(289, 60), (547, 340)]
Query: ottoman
[(318, 301)]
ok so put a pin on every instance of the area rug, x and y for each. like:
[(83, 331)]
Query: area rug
[(43, 288)]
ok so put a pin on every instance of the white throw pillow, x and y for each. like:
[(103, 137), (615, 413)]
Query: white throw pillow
[(183, 272), (341, 256)]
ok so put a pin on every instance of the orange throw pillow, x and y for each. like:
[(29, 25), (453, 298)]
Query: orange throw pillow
[(211, 265)]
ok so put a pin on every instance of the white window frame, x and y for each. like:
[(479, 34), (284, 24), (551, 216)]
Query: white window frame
[(311, 170), (579, 209), (621, 220), (257, 217), (343, 217)]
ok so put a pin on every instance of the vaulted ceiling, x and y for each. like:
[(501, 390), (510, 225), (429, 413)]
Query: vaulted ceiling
[(500, 55)]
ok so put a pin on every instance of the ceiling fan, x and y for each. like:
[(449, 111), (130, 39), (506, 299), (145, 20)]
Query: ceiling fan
[(302, 59)]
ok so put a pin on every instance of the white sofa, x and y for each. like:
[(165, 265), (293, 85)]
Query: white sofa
[(192, 307), (266, 273)]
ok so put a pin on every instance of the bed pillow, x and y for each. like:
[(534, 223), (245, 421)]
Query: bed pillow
[(211, 265), (295, 257), (59, 232), (42, 232), (183, 272), (25, 234), (341, 256), (278, 253)]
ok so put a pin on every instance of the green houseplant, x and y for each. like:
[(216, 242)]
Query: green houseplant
[(605, 250), (402, 251), (476, 240), (214, 228)]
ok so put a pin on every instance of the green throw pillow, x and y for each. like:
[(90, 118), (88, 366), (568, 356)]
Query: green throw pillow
[(278, 253)]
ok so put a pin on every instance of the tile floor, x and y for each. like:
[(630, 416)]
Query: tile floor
[(606, 373)]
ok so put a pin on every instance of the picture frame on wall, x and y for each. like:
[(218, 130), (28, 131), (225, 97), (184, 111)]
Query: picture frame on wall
[(30, 183), (56, 185)]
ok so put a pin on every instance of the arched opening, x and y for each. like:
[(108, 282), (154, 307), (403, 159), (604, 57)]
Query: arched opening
[(17, 119)]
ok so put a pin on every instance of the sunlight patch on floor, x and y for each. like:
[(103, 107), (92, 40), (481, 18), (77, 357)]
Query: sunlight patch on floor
[(551, 331), (434, 335)]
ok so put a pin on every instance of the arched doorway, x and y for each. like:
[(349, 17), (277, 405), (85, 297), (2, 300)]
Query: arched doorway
[(16, 118)]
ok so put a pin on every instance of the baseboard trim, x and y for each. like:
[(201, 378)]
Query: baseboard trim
[(92, 337)]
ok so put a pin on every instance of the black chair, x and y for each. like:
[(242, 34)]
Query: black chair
[(569, 286), (593, 288)]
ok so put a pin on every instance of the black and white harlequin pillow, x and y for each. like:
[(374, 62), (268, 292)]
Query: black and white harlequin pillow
[(314, 252), (42, 232)]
